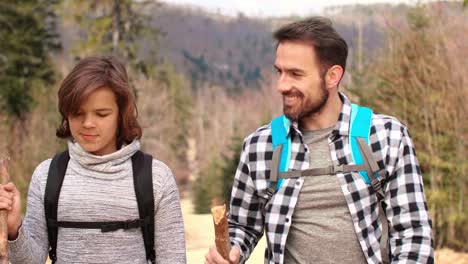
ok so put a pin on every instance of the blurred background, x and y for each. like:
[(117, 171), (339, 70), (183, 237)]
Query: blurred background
[(203, 75)]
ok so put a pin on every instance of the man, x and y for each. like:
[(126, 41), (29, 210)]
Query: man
[(326, 218)]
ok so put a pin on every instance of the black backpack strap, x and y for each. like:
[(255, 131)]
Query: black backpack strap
[(143, 182), (57, 170), (108, 226)]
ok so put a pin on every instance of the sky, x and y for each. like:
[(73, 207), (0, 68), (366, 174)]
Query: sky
[(264, 8)]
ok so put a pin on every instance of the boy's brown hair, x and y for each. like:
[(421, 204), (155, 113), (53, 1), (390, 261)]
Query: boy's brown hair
[(93, 73)]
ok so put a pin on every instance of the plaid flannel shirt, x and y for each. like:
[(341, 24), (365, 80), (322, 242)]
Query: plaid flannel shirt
[(410, 234)]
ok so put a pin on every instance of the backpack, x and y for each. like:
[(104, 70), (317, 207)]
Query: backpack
[(143, 182), (362, 156)]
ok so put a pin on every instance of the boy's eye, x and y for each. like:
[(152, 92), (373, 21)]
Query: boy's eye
[(76, 114)]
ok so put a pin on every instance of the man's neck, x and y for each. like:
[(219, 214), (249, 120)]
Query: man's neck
[(326, 117)]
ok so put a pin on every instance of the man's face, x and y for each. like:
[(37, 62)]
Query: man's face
[(299, 80)]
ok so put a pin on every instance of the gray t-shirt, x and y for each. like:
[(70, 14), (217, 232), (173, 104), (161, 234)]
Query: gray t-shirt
[(322, 229)]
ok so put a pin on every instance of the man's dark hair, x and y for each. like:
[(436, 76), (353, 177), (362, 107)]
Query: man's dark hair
[(330, 47)]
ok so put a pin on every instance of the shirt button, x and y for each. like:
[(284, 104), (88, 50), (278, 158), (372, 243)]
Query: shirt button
[(298, 183), (287, 220)]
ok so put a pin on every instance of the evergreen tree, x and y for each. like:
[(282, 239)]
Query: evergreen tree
[(113, 27), (27, 34), (420, 79), (219, 173), (228, 172), (180, 105)]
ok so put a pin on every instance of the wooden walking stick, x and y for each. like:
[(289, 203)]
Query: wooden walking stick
[(4, 179), (221, 230)]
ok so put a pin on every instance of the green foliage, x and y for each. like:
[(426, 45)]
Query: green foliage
[(181, 106), (206, 188), (229, 169), (219, 173), (113, 27), (26, 36), (418, 80), (418, 19)]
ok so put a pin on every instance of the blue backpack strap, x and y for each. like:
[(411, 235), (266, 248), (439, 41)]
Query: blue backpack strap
[(361, 118), (360, 124), (279, 133)]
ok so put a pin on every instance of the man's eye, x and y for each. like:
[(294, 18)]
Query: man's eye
[(296, 74)]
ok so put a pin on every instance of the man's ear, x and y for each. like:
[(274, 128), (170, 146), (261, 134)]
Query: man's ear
[(333, 76)]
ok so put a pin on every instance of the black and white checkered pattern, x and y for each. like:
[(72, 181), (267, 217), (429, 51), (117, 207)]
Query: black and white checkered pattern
[(410, 231)]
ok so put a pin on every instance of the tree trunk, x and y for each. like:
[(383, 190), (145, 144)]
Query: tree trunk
[(116, 22)]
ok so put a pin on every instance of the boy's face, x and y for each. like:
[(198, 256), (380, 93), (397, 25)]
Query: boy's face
[(95, 124)]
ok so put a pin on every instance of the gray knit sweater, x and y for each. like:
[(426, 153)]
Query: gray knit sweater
[(100, 188)]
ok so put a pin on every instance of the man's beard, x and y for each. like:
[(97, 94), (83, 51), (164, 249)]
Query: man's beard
[(307, 108)]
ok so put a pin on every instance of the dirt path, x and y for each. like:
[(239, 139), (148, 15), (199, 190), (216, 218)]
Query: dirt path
[(448, 256)]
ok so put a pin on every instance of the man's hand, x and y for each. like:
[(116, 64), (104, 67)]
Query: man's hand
[(10, 200), (213, 256)]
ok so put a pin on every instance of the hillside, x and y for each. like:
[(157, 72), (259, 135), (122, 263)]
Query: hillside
[(238, 52)]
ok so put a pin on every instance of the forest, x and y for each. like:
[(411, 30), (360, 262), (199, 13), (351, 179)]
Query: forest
[(204, 81)]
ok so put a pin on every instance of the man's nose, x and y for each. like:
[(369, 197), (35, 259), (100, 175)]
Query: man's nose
[(283, 84)]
